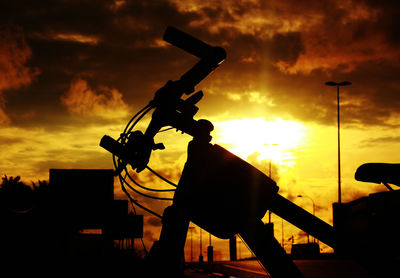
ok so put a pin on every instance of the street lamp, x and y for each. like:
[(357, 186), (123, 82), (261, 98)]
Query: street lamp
[(270, 176), (270, 172), (344, 83), (300, 196)]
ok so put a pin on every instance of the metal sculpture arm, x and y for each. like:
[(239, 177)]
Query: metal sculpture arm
[(170, 108)]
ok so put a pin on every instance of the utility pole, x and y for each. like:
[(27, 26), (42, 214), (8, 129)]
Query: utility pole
[(210, 251), (301, 196)]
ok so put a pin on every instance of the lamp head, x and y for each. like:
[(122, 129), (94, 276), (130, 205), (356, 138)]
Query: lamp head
[(331, 83)]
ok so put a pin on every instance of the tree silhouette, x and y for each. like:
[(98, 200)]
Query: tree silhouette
[(15, 195), (42, 186), (24, 219)]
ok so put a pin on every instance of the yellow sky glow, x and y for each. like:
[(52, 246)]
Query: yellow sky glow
[(65, 81), (270, 139)]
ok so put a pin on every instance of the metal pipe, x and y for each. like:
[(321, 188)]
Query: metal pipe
[(303, 220)]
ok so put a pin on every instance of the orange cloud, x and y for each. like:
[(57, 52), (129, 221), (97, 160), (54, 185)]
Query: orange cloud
[(324, 50), (304, 36), (14, 54), (67, 37), (82, 100), (77, 38), (4, 120)]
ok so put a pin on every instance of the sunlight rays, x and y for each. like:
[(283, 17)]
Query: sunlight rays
[(273, 140)]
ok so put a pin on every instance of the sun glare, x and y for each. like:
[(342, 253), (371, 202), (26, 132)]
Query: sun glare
[(273, 140)]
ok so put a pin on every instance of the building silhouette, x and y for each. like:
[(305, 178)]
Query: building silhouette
[(74, 217)]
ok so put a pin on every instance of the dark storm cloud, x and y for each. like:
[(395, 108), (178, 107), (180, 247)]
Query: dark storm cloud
[(284, 50), (123, 53), (14, 72), (389, 23), (96, 41), (337, 41)]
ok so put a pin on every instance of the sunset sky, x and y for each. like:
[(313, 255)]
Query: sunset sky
[(72, 71)]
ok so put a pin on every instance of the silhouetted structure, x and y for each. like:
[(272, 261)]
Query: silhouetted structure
[(305, 251), (85, 200), (48, 225), (364, 225), (210, 254), (237, 194), (218, 191), (84, 197), (122, 225), (232, 249)]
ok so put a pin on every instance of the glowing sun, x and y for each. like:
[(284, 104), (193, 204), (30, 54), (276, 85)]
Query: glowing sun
[(273, 140)]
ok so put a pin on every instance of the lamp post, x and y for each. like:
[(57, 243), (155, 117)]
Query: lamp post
[(270, 176), (300, 196), (270, 160), (210, 251), (344, 83)]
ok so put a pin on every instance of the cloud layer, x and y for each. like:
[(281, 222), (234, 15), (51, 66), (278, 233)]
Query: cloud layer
[(14, 72), (82, 100), (283, 50), (72, 71)]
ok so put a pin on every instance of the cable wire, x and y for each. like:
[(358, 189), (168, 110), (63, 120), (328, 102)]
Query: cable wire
[(141, 110), (166, 129), (147, 188), (161, 177), (123, 181), (145, 111), (143, 194), (135, 202), (144, 247)]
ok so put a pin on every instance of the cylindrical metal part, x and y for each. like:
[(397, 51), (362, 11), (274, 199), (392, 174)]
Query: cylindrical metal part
[(303, 220), (269, 252)]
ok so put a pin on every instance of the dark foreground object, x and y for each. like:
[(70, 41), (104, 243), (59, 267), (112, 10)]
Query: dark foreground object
[(319, 268)]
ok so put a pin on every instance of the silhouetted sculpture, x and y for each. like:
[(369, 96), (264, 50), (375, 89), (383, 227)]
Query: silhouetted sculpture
[(385, 173), (218, 191)]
